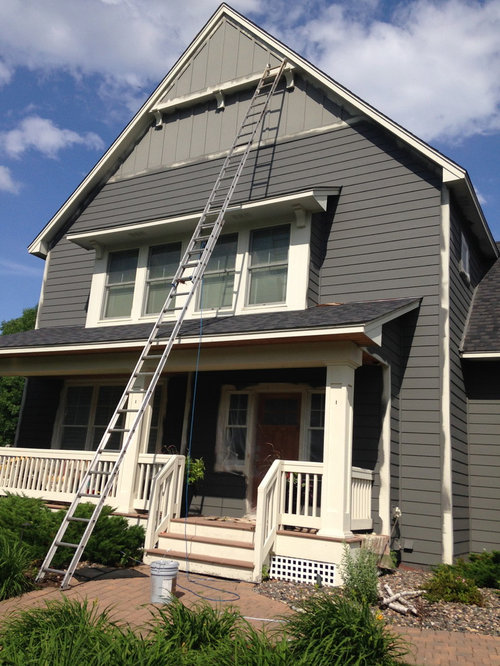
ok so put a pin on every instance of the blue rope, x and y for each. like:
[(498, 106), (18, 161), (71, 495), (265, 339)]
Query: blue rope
[(234, 595)]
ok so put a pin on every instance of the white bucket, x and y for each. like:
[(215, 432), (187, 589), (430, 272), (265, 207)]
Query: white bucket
[(163, 581)]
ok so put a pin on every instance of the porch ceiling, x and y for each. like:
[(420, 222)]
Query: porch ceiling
[(36, 352)]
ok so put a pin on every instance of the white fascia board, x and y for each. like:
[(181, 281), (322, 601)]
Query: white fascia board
[(481, 355), (281, 335), (40, 245), (313, 200), (374, 328)]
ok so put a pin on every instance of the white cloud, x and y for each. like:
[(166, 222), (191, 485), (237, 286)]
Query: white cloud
[(432, 66), (7, 183), (43, 135), (5, 73)]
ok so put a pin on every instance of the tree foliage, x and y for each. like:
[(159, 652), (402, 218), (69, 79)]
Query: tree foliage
[(11, 388)]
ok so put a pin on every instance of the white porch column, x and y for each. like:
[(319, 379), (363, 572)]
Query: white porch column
[(337, 450), (128, 471)]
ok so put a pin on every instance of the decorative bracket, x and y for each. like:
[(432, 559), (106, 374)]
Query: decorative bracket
[(158, 118), (289, 79), (301, 215), (219, 96)]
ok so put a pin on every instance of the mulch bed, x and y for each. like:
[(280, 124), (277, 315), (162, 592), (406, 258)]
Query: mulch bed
[(442, 615)]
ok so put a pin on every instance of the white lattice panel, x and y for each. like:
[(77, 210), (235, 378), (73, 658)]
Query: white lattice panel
[(302, 571)]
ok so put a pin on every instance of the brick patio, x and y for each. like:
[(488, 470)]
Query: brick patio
[(128, 592)]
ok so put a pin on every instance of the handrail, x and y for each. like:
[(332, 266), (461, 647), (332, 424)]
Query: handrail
[(166, 500), (268, 515)]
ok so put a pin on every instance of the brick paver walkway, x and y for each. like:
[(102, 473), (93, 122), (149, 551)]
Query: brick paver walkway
[(128, 593)]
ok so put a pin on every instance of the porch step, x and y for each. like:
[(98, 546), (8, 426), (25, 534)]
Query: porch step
[(222, 567), (229, 530), (212, 546)]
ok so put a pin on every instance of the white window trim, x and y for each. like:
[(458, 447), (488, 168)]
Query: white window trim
[(464, 265), (296, 287), (253, 392)]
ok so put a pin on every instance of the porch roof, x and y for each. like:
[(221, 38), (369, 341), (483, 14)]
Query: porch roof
[(482, 337), (360, 321)]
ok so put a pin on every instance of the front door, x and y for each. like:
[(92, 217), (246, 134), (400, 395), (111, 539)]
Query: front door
[(277, 433)]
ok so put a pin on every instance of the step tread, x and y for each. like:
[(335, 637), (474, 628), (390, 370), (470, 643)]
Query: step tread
[(209, 540), (178, 555), (226, 524)]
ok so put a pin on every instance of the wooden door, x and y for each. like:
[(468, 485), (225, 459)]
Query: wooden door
[(277, 433)]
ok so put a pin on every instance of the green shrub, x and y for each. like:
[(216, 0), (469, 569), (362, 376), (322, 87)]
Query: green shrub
[(61, 632), (360, 575), (113, 541), (28, 520), (448, 584), (15, 561), (335, 630), (482, 568)]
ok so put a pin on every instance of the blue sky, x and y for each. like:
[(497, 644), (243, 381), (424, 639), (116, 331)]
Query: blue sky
[(73, 72)]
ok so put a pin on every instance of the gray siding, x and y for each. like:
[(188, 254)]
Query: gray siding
[(67, 287), (460, 301), (388, 219), (484, 475), (383, 198)]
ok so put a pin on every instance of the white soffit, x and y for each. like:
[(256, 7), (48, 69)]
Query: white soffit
[(313, 200)]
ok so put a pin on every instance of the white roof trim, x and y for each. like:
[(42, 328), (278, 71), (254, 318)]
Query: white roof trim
[(479, 355), (314, 200), (103, 168)]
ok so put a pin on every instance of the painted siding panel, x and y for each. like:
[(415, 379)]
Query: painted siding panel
[(461, 294), (484, 460)]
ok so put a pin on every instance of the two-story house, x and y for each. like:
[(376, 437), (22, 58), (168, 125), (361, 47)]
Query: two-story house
[(319, 372)]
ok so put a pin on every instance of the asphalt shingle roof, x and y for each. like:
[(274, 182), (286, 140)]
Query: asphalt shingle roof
[(483, 330), (318, 317)]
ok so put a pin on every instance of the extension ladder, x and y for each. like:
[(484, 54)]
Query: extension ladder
[(188, 277)]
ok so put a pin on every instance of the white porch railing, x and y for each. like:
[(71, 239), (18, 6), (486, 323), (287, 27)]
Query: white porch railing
[(166, 500), (290, 494), (56, 475)]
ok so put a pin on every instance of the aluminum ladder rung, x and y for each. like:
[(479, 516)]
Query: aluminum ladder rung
[(207, 231), (67, 544), (99, 472)]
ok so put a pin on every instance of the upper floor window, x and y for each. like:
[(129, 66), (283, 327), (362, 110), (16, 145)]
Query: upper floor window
[(247, 271), (162, 264), (218, 279), (120, 283), (268, 267)]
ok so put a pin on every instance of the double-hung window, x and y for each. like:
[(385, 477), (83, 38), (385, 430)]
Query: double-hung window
[(218, 279), (120, 283), (163, 262), (268, 265)]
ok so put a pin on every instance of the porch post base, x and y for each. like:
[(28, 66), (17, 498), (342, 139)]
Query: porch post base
[(335, 534)]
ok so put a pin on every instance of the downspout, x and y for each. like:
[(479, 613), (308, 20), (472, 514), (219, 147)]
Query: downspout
[(444, 336)]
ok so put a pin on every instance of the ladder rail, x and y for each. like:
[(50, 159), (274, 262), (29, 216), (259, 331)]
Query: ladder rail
[(195, 269)]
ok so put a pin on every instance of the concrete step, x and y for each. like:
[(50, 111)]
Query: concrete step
[(222, 567), (216, 529), (205, 545)]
